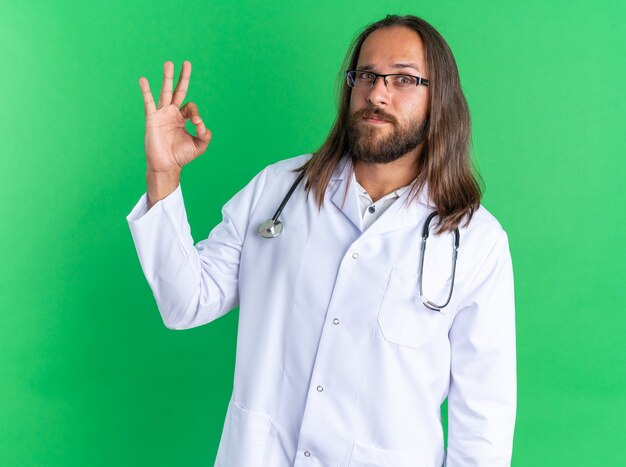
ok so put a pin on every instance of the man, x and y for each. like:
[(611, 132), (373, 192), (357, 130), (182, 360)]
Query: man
[(350, 336)]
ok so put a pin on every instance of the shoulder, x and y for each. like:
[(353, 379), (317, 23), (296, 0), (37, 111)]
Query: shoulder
[(483, 232), (484, 221), (281, 174), (273, 174), (287, 165), (273, 179)]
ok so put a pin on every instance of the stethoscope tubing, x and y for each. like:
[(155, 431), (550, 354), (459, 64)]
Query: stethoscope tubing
[(273, 227), (287, 197), (425, 233)]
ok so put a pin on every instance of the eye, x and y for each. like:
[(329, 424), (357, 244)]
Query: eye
[(364, 76), (405, 80)]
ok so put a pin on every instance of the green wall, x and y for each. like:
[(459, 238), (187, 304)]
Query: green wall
[(90, 375)]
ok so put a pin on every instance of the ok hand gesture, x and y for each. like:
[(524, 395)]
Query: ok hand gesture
[(168, 145)]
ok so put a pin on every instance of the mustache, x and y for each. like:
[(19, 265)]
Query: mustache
[(373, 112)]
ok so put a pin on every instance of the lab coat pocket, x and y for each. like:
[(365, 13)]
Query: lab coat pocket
[(246, 438), (369, 456), (403, 318)]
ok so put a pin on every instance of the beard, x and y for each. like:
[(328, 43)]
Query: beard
[(365, 142)]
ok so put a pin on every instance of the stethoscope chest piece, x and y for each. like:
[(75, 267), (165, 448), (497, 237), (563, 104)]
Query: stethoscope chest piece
[(270, 228)]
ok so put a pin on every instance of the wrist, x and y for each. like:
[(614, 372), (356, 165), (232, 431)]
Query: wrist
[(161, 184)]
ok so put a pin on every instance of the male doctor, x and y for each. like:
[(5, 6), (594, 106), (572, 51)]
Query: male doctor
[(350, 336)]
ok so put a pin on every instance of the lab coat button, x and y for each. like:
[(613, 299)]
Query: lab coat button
[(320, 389), (372, 209), (355, 255), (335, 321), (307, 453)]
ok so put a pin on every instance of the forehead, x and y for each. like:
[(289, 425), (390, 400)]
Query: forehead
[(392, 47)]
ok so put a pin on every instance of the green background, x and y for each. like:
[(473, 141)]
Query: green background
[(90, 375)]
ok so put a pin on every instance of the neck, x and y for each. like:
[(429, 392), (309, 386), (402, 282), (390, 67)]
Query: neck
[(381, 179)]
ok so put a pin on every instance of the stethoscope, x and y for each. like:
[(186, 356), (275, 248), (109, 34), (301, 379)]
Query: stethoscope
[(273, 227)]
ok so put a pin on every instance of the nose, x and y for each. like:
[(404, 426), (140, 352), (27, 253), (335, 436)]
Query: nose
[(378, 93)]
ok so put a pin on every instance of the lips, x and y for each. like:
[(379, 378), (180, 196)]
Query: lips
[(377, 118)]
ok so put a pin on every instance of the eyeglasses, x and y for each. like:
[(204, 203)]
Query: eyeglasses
[(366, 79)]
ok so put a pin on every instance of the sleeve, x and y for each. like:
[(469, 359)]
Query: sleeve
[(482, 396), (192, 284)]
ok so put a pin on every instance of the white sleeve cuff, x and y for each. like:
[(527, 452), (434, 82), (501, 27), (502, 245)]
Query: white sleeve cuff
[(174, 199)]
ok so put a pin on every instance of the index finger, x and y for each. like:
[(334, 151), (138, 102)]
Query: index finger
[(148, 101), (183, 84)]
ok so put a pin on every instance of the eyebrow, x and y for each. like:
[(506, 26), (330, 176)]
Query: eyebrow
[(395, 66)]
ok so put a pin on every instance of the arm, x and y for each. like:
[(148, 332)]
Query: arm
[(192, 285), (482, 394)]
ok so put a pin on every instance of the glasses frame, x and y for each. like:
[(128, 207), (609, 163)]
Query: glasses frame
[(419, 79)]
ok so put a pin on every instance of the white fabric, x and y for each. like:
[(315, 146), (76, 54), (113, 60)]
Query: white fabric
[(380, 206), (338, 362)]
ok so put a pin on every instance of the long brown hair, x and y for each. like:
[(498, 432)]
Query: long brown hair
[(444, 164)]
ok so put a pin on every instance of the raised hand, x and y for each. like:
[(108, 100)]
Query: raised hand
[(169, 146)]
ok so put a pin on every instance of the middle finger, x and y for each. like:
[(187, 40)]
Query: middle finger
[(166, 89)]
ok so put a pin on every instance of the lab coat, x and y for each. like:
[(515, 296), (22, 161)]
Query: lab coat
[(338, 362)]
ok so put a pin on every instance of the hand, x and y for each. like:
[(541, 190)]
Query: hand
[(168, 145)]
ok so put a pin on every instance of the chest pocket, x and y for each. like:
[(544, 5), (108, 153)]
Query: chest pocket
[(403, 318)]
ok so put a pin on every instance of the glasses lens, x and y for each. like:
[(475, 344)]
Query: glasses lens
[(350, 78), (403, 83), (360, 79)]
